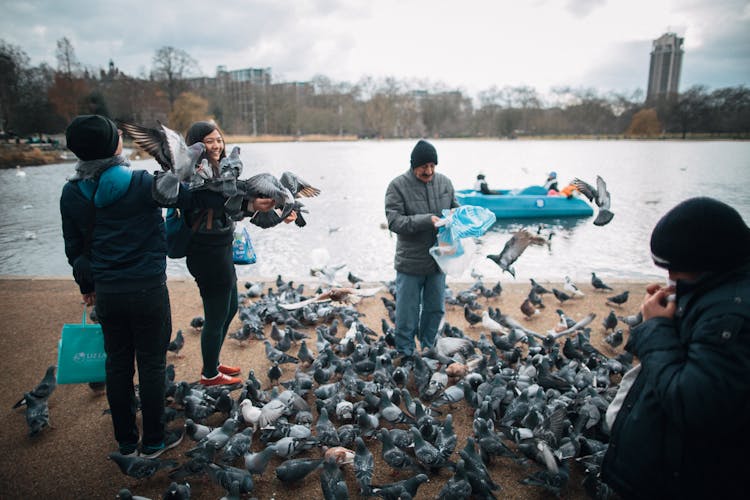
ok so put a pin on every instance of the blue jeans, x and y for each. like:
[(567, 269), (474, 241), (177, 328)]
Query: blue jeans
[(420, 305), (137, 326)]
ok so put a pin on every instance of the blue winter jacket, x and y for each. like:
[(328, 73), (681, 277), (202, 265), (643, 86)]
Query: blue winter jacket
[(117, 243)]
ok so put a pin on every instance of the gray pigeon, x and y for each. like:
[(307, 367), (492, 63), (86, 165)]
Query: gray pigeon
[(619, 299), (167, 147), (177, 492), (332, 481), (600, 196), (514, 248), (296, 469), (37, 413), (237, 446), (395, 491), (363, 466), (598, 284), (393, 455), (256, 463), (426, 453), (139, 467), (43, 389)]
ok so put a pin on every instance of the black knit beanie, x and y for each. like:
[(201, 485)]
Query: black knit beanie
[(423, 153), (92, 137), (700, 234)]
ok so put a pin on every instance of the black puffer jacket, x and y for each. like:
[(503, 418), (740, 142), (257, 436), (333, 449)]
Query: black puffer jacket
[(683, 428)]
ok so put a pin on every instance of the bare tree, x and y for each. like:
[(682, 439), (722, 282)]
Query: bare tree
[(13, 62), (170, 67), (67, 63)]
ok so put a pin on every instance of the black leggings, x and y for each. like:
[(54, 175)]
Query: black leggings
[(213, 270)]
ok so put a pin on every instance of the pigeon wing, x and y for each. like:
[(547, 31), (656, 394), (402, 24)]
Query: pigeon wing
[(298, 186), (585, 188), (153, 141)]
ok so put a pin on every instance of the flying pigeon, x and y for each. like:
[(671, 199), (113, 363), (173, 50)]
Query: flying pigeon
[(600, 195), (513, 250)]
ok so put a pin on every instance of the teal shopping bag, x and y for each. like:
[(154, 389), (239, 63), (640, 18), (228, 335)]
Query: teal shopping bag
[(80, 353)]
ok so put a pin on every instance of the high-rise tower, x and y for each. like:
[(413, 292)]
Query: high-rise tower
[(666, 64)]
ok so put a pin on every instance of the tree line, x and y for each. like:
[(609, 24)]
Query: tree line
[(42, 99)]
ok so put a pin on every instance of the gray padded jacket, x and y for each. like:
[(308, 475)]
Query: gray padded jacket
[(409, 207)]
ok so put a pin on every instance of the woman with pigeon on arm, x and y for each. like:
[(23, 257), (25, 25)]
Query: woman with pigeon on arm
[(681, 429), (209, 256)]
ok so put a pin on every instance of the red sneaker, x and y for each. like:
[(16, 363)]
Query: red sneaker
[(228, 370), (220, 379)]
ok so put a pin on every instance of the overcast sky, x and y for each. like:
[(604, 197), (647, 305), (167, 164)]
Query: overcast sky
[(466, 44)]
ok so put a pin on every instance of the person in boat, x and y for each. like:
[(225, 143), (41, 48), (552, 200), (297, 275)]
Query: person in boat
[(551, 183), (481, 185)]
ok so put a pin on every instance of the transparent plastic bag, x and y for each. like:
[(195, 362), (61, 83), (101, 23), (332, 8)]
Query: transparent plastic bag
[(463, 222)]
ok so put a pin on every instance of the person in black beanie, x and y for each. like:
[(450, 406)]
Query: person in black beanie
[(115, 242), (414, 202), (681, 431)]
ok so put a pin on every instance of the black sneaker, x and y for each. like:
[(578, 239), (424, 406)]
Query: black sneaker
[(129, 450), (171, 439)]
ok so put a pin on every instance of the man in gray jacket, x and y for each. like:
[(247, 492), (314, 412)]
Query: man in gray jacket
[(414, 202)]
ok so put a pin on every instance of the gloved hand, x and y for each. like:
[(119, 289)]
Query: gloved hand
[(166, 188)]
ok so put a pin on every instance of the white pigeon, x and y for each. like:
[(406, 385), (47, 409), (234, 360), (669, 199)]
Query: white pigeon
[(491, 324), (250, 413), (572, 288)]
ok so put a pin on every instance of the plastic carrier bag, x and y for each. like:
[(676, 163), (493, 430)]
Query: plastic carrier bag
[(463, 222), (80, 353), (242, 248)]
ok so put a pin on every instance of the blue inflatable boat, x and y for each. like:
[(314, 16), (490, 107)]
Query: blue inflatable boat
[(531, 202)]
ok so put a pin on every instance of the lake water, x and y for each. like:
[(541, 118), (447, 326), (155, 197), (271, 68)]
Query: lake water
[(645, 179)]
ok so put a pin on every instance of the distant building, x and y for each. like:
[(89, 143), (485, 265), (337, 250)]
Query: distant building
[(666, 64)]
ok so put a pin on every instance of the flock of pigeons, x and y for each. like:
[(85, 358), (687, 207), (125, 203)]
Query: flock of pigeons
[(332, 398)]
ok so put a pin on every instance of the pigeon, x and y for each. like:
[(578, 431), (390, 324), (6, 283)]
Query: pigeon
[(126, 494), (615, 338), (598, 284), (513, 250), (536, 287), (197, 322), (167, 147), (274, 373), (395, 491), (177, 492), (225, 476), (177, 344), (492, 325), (571, 288), (265, 185), (619, 299), (256, 463), (363, 466), (560, 295), (332, 481), (296, 469), (426, 453), (140, 467), (297, 186), (43, 389), (393, 455), (610, 322), (277, 356), (342, 295), (600, 195), (471, 317), (632, 320), (37, 413), (535, 298), (457, 486), (237, 446), (528, 309)]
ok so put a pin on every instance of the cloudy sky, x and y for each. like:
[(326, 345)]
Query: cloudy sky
[(466, 44)]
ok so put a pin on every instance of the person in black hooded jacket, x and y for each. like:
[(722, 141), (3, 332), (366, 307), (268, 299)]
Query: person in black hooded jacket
[(682, 429), (115, 241)]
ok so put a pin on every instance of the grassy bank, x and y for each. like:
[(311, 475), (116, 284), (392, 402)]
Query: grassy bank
[(24, 155)]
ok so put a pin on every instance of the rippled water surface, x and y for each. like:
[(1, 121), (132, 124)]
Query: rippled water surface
[(345, 223)]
